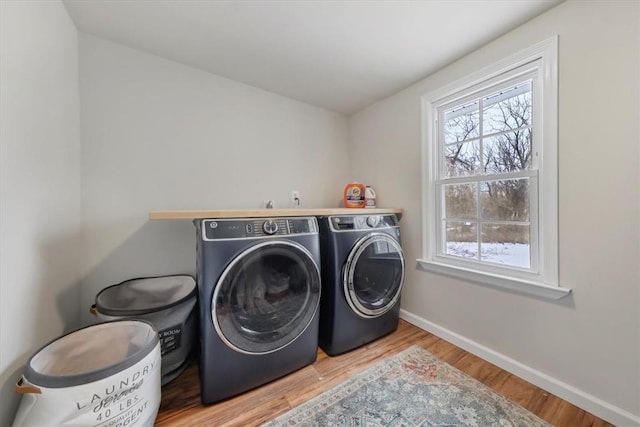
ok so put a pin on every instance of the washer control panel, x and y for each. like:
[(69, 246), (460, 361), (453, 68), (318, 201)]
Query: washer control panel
[(217, 229), (362, 222)]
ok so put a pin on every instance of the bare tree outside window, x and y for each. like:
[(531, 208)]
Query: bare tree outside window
[(488, 140), (490, 174)]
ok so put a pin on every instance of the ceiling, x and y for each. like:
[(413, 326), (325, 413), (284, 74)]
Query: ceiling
[(338, 55)]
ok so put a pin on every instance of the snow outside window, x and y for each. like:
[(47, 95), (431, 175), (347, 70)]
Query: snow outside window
[(490, 175)]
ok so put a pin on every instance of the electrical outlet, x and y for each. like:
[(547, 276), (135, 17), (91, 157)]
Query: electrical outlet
[(295, 199)]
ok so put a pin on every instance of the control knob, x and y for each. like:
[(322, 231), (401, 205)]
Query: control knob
[(270, 227), (373, 221)]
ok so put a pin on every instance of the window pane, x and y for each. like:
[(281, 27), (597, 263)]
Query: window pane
[(462, 239), (462, 123), (462, 159), (507, 110), (506, 200), (460, 201), (506, 244), (508, 152)]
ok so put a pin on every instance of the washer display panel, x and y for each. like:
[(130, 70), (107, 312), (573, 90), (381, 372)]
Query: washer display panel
[(266, 297), (373, 275)]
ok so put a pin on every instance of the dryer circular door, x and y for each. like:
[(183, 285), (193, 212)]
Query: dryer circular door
[(373, 275), (266, 297)]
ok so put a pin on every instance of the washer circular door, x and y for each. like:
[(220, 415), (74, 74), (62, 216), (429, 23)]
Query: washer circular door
[(266, 297), (373, 275)]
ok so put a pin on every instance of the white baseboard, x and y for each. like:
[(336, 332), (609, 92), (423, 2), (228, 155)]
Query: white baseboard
[(589, 403)]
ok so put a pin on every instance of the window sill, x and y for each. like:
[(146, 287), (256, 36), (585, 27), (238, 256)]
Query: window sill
[(494, 280)]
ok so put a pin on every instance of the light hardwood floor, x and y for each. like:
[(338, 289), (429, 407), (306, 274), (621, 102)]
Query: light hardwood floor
[(181, 399)]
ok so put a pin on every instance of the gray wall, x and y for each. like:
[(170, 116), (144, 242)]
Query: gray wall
[(585, 347), (160, 135), (39, 184)]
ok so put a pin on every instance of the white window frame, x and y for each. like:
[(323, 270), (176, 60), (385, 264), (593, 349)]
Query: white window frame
[(539, 63)]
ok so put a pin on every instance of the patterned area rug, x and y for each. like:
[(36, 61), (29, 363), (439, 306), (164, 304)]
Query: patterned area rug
[(412, 388)]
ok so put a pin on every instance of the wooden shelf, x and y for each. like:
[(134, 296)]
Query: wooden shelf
[(264, 213)]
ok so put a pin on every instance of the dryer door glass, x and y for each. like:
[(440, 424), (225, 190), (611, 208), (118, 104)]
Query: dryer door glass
[(373, 275), (266, 297)]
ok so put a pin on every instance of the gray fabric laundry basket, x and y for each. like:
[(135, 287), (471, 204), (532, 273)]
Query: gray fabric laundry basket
[(102, 375), (167, 302)]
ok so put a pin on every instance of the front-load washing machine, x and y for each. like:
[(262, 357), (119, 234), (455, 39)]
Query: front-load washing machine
[(362, 277), (259, 289)]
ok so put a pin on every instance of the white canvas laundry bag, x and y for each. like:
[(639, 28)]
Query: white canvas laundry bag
[(104, 375)]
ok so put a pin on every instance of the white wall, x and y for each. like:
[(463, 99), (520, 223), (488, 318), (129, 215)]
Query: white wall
[(587, 343), (159, 135), (39, 184)]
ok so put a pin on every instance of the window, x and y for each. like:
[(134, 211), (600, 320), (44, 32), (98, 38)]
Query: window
[(490, 175)]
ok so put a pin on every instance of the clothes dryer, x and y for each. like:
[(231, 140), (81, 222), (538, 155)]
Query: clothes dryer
[(363, 272), (259, 289)]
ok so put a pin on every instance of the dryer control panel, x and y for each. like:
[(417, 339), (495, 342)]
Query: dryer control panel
[(219, 229), (362, 222)]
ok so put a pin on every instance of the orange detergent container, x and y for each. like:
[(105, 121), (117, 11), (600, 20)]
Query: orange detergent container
[(354, 195)]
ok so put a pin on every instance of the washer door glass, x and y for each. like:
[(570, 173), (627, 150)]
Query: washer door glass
[(266, 297), (373, 275)]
